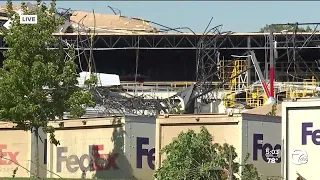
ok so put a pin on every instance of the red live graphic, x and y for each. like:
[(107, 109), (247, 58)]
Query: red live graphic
[(7, 157)]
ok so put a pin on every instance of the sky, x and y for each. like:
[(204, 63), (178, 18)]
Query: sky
[(236, 16)]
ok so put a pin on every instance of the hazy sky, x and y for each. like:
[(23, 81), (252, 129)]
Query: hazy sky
[(237, 16)]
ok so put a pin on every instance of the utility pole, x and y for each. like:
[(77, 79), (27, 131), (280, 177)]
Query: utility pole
[(271, 80), (249, 61)]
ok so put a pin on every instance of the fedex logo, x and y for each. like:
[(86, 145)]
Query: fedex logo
[(96, 161), (315, 135), (144, 152), (7, 154), (269, 153)]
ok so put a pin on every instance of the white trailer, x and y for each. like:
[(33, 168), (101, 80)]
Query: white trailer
[(301, 139), (258, 135), (103, 148), (15, 150)]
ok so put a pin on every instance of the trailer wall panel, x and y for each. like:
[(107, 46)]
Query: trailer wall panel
[(262, 140), (223, 128), (300, 135), (104, 148), (15, 147), (240, 130), (141, 148)]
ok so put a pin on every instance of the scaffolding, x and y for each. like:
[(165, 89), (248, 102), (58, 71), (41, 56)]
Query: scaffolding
[(255, 96), (241, 81), (237, 85), (307, 89)]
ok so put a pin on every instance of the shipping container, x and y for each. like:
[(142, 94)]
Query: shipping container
[(301, 138), (258, 135), (15, 146), (103, 148)]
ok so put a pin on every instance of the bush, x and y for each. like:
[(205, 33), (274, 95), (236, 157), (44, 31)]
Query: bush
[(194, 156)]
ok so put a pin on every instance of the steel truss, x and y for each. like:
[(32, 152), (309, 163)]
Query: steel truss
[(207, 62), (187, 42), (207, 45), (298, 68)]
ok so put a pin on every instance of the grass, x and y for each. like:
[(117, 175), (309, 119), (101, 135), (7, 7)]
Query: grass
[(17, 178), (33, 178)]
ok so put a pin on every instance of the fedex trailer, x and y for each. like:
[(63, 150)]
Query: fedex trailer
[(18, 152), (301, 138), (258, 135), (15, 150), (102, 148)]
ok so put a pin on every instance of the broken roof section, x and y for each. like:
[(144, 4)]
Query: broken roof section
[(109, 22), (4, 7), (16, 7), (265, 109), (82, 21)]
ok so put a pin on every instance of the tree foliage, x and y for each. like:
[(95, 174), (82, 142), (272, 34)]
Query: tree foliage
[(249, 171), (273, 111), (289, 28), (194, 156), (38, 78)]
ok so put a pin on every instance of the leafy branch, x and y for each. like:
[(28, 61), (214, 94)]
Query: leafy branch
[(19, 165), (194, 156), (16, 169), (273, 111), (39, 78)]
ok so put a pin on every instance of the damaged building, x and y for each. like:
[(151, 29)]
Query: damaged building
[(160, 61)]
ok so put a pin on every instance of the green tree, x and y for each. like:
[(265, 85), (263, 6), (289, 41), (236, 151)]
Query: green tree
[(273, 111), (290, 28), (249, 171), (38, 78), (194, 156)]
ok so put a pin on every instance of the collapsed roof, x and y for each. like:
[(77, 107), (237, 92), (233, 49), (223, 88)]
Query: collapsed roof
[(108, 22), (265, 109), (82, 21), (4, 7)]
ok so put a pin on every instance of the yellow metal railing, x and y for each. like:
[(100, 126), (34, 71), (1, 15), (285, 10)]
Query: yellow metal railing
[(240, 82), (255, 97), (303, 91), (229, 100), (168, 84), (236, 84)]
